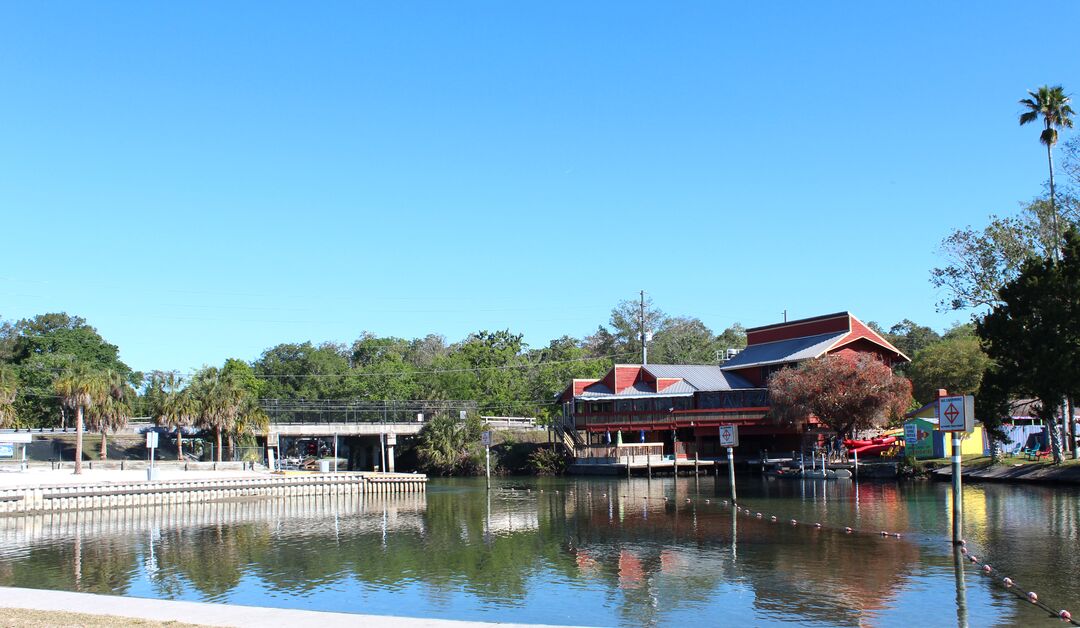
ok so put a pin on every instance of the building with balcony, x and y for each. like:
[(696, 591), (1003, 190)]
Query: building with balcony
[(681, 406)]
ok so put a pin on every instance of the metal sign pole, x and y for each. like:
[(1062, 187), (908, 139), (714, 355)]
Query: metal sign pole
[(957, 499), (731, 471), (956, 414), (485, 440)]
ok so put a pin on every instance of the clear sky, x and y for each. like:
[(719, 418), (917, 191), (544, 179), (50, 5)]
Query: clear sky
[(203, 180)]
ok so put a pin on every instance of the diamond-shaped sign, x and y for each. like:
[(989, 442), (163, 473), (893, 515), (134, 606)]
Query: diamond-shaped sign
[(956, 414)]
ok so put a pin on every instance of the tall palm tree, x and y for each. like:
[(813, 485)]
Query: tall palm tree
[(111, 410), (1052, 105), (78, 387), (9, 387), (173, 406), (220, 399)]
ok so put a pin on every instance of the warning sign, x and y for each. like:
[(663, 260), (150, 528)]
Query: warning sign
[(729, 436), (956, 414)]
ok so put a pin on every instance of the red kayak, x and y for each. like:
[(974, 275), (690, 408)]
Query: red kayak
[(872, 447)]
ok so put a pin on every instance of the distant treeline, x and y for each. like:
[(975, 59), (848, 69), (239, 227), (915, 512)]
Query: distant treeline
[(496, 369)]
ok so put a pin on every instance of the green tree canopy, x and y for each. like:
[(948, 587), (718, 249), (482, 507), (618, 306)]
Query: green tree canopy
[(956, 364), (304, 371), (1033, 336)]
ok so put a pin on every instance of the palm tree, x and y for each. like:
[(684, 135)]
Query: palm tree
[(78, 387), (220, 399), (252, 421), (111, 410), (1052, 105), (9, 387), (173, 406)]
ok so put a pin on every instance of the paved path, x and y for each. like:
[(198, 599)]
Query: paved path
[(211, 614)]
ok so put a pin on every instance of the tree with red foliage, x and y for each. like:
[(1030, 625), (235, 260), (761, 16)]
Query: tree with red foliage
[(845, 393)]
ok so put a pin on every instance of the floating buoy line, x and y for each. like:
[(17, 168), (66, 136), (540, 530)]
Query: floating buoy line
[(986, 569)]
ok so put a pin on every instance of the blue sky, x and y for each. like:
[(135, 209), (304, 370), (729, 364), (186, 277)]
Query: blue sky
[(204, 180)]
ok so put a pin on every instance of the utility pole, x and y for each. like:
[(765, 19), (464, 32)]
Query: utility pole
[(641, 321)]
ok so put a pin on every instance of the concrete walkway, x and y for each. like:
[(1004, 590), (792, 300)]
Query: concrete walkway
[(39, 477), (211, 614)]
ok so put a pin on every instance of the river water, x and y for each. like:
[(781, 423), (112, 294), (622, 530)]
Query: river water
[(599, 552)]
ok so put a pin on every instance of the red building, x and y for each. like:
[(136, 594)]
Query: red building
[(682, 405)]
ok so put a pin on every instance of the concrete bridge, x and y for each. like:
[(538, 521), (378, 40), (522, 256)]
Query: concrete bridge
[(364, 434)]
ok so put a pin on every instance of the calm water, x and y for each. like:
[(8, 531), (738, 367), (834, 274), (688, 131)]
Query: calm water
[(581, 551)]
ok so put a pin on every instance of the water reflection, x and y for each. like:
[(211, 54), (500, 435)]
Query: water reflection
[(598, 552)]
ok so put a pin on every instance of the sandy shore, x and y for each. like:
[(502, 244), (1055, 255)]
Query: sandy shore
[(86, 609)]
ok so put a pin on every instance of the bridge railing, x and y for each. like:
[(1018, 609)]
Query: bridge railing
[(334, 411)]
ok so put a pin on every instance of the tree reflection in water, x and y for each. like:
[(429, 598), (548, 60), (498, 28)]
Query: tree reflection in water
[(587, 551)]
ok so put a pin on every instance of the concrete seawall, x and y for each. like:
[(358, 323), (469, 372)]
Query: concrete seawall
[(91, 495)]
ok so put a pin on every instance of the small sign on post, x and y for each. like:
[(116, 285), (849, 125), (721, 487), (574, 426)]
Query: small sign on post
[(485, 440), (729, 437), (151, 444), (956, 414)]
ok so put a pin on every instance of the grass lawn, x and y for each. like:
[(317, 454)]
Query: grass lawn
[(972, 461), (24, 618)]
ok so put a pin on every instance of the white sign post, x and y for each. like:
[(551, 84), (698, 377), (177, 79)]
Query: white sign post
[(729, 437), (151, 445), (956, 414), (485, 439)]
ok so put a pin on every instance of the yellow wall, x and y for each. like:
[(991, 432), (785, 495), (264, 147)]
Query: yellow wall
[(970, 444)]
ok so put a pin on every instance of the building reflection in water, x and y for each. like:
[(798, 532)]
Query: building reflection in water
[(638, 547)]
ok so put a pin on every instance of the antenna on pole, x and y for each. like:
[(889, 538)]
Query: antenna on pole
[(785, 316), (644, 334)]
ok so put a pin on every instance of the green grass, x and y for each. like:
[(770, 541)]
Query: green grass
[(973, 461)]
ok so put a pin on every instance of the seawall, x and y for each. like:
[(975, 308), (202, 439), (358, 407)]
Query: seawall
[(91, 495)]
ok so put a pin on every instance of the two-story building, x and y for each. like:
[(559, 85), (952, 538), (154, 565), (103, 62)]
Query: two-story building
[(682, 406)]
